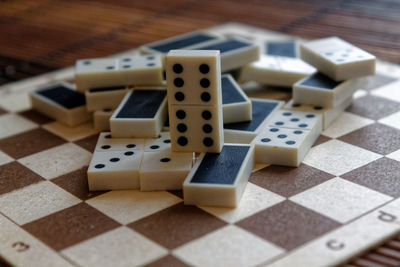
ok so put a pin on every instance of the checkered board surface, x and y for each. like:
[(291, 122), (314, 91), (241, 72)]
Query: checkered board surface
[(343, 200)]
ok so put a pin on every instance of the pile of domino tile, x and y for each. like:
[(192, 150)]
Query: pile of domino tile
[(150, 112)]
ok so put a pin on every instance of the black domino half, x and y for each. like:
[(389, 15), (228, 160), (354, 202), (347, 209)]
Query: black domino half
[(222, 168), (230, 93), (226, 46), (106, 89), (63, 96), (142, 104), (320, 81), (283, 49), (260, 111), (182, 42)]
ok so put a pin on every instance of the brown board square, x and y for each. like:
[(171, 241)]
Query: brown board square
[(70, 226), (288, 225), (76, 183), (289, 181), (382, 175), (14, 176), (28, 143), (375, 137), (177, 225)]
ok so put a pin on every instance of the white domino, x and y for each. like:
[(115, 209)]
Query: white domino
[(101, 119), (328, 114), (283, 146), (287, 138), (244, 132), (124, 71), (164, 170), (320, 90), (141, 113), (194, 100), (105, 98), (235, 52), (338, 59), (219, 179), (276, 70), (107, 143), (61, 102), (184, 41), (236, 106), (160, 143), (114, 170)]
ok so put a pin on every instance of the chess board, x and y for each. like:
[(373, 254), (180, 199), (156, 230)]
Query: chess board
[(342, 201)]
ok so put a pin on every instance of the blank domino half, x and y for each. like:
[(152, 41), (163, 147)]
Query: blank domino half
[(105, 97), (276, 70), (279, 66), (164, 170), (337, 58), (320, 90), (184, 41), (236, 106), (141, 113), (112, 72), (244, 132), (328, 114), (235, 53), (61, 102), (219, 179), (112, 170)]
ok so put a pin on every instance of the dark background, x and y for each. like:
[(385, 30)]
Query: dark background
[(44, 35)]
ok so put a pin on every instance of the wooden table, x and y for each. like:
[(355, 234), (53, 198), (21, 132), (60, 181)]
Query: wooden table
[(43, 35)]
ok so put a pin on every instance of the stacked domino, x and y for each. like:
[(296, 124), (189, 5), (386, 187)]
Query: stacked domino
[(105, 82), (135, 154), (200, 101), (196, 124), (317, 100), (157, 126), (100, 86), (342, 69)]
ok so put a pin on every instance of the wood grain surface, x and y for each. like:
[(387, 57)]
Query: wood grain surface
[(43, 35)]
